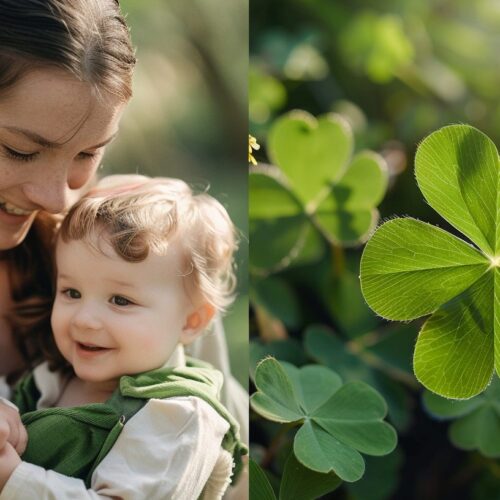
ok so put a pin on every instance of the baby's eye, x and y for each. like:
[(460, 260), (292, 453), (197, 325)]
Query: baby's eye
[(71, 293), (118, 300)]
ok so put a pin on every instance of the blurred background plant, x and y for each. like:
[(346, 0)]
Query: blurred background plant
[(188, 116), (395, 71)]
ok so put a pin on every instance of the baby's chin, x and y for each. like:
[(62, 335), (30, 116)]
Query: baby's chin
[(92, 376)]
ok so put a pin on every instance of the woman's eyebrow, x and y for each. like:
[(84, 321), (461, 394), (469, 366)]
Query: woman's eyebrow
[(46, 143)]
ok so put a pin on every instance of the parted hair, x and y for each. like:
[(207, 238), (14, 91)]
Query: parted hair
[(87, 38), (137, 215)]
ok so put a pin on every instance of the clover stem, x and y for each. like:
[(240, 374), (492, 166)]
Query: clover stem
[(276, 442), (374, 362), (270, 328), (338, 259)]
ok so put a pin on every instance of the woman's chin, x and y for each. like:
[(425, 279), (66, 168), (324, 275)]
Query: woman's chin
[(12, 235)]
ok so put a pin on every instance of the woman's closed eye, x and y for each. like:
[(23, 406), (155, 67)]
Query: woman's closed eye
[(71, 293), (18, 155), (119, 300), (88, 155), (13, 154)]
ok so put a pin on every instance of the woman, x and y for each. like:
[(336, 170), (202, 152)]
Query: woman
[(65, 79)]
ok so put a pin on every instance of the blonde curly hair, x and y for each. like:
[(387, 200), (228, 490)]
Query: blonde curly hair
[(137, 215)]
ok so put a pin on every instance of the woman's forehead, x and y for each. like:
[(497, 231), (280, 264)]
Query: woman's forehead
[(54, 106)]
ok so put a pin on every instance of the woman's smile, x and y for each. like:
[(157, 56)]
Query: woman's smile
[(14, 221), (12, 209)]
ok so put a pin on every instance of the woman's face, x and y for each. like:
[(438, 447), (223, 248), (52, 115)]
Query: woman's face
[(53, 133)]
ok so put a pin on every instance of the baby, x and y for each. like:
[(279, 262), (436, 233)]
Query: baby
[(142, 267)]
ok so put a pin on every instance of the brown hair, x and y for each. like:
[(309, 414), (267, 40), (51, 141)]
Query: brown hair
[(145, 215), (31, 277), (87, 38)]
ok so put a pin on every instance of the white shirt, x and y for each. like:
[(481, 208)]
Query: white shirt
[(4, 388), (168, 450)]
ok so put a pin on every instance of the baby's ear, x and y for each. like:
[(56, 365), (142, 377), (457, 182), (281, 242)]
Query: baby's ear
[(196, 322)]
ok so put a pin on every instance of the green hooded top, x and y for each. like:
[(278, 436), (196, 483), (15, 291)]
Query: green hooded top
[(74, 440)]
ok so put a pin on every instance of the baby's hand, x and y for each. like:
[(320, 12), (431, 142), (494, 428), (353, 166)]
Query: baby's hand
[(12, 429)]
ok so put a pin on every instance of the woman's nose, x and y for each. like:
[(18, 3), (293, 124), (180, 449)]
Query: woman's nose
[(49, 191)]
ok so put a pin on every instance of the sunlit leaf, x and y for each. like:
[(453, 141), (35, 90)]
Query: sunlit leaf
[(314, 193), (457, 170), (311, 152), (454, 350), (411, 269)]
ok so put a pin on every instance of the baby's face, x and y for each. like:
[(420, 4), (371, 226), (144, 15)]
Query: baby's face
[(113, 317)]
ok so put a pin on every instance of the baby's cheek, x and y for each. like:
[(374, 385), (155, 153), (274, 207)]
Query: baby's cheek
[(60, 325), (150, 345)]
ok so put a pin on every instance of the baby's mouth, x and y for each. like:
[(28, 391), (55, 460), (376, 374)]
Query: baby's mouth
[(91, 347)]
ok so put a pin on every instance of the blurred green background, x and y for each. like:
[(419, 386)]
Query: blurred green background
[(188, 116), (396, 70)]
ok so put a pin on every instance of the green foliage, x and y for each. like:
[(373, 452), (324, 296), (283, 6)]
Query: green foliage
[(377, 45), (336, 421), (266, 95), (476, 421), (410, 269), (260, 487), (407, 68), (380, 480), (318, 189), (301, 483), (295, 56), (289, 350), (276, 296), (370, 363)]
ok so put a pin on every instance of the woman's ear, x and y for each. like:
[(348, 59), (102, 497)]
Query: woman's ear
[(196, 322)]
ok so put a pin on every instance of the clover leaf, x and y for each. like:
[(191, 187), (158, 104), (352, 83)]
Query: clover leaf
[(298, 483), (301, 483), (411, 269), (355, 361), (337, 421), (314, 192), (476, 423), (260, 487)]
